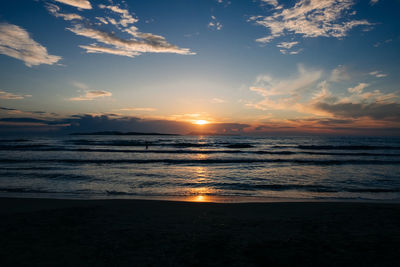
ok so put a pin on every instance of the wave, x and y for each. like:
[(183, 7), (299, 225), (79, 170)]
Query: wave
[(84, 142), (239, 146), (207, 161), (13, 140), (287, 187), (347, 147), (326, 153), (136, 143), (22, 147), (224, 186), (36, 147), (51, 176)]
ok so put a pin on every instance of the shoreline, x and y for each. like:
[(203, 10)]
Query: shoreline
[(54, 232), (194, 198)]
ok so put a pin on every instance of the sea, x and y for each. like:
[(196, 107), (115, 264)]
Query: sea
[(202, 168)]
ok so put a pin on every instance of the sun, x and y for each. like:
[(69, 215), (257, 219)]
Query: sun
[(200, 122)]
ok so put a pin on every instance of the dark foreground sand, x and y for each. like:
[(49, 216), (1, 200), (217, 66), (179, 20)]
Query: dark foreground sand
[(39, 232)]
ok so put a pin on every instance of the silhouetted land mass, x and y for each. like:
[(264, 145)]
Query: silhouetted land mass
[(121, 133), (40, 232)]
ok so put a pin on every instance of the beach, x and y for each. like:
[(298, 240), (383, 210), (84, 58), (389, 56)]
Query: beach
[(54, 232)]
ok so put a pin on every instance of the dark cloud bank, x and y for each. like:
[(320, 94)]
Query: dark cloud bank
[(90, 123)]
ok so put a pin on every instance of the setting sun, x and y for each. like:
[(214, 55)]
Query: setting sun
[(201, 122)]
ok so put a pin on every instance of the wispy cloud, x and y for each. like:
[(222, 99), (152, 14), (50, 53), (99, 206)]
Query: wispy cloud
[(92, 49), (358, 89), (83, 4), (310, 18), (117, 42), (91, 95), (267, 85), (378, 74), (214, 24), (378, 44), (88, 93), (218, 100), (145, 43), (55, 11), (126, 18), (15, 42), (339, 73), (102, 20), (286, 48), (273, 3), (7, 95), (224, 2), (80, 85), (373, 2), (138, 109)]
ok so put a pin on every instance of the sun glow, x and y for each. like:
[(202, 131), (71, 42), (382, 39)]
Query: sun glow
[(199, 199), (201, 122)]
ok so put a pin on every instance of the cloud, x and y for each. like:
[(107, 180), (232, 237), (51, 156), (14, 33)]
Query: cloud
[(373, 2), (126, 18), (340, 73), (375, 110), (93, 49), (287, 46), (109, 122), (309, 93), (218, 101), (115, 42), (83, 4), (15, 42), (7, 109), (214, 24), (310, 18), (80, 85), (55, 11), (102, 20), (91, 95), (378, 74), (378, 44), (359, 88), (273, 3), (7, 95), (144, 43), (18, 112), (281, 94), (138, 109), (225, 2), (373, 105)]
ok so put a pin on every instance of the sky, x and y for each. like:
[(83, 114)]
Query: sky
[(216, 66)]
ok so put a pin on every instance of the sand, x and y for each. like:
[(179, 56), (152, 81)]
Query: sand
[(48, 232)]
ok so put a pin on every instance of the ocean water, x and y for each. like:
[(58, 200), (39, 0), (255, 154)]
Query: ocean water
[(202, 168)]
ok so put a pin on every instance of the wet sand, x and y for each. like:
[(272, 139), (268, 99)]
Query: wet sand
[(48, 232)]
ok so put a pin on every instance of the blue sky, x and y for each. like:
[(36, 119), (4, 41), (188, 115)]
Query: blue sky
[(264, 65)]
